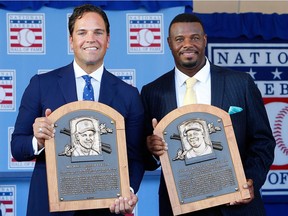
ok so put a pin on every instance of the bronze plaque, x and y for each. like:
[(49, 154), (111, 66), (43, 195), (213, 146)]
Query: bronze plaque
[(202, 166), (87, 166)]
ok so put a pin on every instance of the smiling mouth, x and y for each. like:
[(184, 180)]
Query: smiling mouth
[(189, 53), (90, 48)]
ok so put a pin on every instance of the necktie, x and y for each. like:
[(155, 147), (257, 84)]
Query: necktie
[(190, 95), (88, 93)]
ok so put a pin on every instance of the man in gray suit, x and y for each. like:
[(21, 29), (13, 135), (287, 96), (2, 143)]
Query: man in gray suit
[(217, 86)]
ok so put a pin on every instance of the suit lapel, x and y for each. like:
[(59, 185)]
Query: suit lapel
[(107, 91), (67, 83), (217, 86), (169, 92)]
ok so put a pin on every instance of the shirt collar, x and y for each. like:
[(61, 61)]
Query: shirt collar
[(201, 76), (79, 72)]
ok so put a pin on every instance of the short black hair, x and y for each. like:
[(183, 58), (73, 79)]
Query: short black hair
[(185, 17), (80, 10)]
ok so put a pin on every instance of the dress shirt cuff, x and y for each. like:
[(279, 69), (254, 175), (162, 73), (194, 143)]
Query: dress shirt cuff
[(132, 190), (35, 147), (157, 159)]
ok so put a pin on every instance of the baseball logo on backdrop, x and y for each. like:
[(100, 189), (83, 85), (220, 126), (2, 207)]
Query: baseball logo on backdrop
[(69, 48), (26, 37), (281, 137), (144, 33), (145, 37), (266, 63), (12, 163), (278, 118), (127, 75), (8, 200), (26, 33), (7, 90), (277, 181)]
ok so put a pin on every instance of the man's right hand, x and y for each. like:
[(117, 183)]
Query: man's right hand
[(155, 144), (43, 129)]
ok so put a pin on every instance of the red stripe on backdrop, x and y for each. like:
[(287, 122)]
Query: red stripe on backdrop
[(151, 29), (13, 160), (19, 29), (279, 167), (6, 102), (33, 45), (151, 45), (7, 202), (9, 210), (270, 100), (6, 86)]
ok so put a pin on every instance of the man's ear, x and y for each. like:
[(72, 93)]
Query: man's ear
[(71, 42), (76, 136), (169, 42), (108, 41)]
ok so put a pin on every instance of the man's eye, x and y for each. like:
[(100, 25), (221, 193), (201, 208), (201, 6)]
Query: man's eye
[(99, 32)]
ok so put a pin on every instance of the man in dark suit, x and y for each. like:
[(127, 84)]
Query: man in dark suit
[(216, 86), (89, 38)]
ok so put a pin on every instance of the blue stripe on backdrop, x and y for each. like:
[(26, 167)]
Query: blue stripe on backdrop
[(151, 6), (250, 25)]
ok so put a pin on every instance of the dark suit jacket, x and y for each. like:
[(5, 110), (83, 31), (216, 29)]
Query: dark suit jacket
[(54, 89), (251, 126)]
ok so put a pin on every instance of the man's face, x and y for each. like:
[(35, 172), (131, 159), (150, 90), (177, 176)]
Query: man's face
[(89, 41), (187, 42), (86, 139), (195, 138)]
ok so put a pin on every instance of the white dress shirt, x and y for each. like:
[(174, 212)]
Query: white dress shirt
[(202, 86), (80, 83)]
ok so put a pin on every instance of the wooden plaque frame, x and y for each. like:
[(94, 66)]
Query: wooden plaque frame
[(212, 198), (80, 108)]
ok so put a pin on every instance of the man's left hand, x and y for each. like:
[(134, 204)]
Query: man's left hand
[(248, 185), (124, 205)]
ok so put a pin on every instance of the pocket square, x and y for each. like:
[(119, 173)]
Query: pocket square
[(234, 109)]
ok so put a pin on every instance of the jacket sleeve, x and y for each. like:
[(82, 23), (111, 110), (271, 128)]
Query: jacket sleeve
[(29, 110)]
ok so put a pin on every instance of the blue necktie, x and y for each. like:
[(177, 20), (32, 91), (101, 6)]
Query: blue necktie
[(88, 93)]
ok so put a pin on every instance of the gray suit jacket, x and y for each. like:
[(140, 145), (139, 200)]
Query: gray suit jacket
[(251, 126)]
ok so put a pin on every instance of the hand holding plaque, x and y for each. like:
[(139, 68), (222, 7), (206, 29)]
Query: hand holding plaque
[(87, 164), (202, 157)]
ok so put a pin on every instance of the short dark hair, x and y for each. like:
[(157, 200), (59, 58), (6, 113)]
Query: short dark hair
[(80, 10), (185, 17)]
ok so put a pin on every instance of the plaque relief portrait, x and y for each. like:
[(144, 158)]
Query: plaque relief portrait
[(85, 135), (197, 146), (202, 165), (195, 138)]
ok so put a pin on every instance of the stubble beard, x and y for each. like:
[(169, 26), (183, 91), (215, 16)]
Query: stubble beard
[(189, 65)]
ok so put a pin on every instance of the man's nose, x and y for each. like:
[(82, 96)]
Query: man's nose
[(188, 42), (90, 37)]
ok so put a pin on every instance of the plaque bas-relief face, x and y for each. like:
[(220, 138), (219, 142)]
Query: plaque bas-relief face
[(85, 138), (85, 134), (197, 146)]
